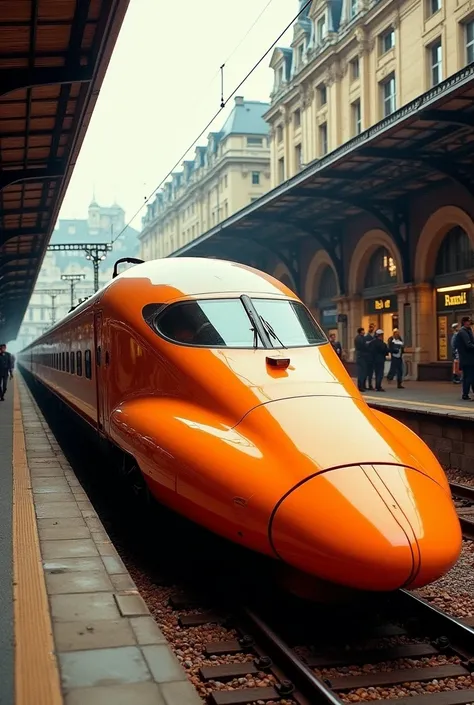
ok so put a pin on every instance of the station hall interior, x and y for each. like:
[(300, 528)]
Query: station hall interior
[(339, 166)]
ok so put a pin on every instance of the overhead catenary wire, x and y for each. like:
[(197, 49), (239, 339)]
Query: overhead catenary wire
[(214, 117)]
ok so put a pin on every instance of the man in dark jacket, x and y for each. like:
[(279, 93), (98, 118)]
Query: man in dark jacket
[(360, 346), (336, 345), (465, 348), (6, 370), (369, 337), (378, 351)]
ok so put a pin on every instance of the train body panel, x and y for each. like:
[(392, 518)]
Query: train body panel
[(216, 379)]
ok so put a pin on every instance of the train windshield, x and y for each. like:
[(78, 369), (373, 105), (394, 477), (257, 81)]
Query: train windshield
[(232, 323)]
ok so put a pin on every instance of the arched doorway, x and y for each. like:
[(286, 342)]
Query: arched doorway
[(327, 292), (454, 270), (380, 303)]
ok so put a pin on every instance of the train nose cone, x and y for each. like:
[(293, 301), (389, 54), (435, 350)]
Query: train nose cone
[(366, 527)]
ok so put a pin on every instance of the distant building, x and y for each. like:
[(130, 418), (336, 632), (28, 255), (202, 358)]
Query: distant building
[(102, 225), (354, 62), (229, 173)]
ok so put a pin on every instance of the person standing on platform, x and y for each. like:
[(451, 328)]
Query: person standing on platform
[(6, 370), (455, 354), (378, 351), (396, 348), (370, 367), (360, 346), (465, 348), (337, 347)]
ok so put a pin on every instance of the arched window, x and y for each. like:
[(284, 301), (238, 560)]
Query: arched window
[(456, 253), (382, 269), (327, 284)]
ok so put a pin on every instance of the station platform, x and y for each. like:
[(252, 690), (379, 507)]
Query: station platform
[(73, 628), (434, 398)]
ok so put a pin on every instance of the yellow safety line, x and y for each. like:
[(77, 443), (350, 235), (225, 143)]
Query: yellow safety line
[(36, 670), (418, 403)]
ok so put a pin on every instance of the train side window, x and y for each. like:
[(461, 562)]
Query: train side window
[(87, 364), (79, 363), (63, 361), (67, 361), (73, 363)]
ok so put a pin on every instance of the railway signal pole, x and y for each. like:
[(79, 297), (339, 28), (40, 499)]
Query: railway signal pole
[(95, 253), (72, 279), (53, 293)]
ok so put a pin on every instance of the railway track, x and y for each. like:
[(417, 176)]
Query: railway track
[(463, 496), (408, 653)]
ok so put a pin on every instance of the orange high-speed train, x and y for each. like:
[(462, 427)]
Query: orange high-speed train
[(219, 384)]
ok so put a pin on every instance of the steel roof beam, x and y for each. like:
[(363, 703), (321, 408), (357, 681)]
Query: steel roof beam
[(12, 176), (448, 116), (6, 235), (27, 210), (32, 133), (14, 79)]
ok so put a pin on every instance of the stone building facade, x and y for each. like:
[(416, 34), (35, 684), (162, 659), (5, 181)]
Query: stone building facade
[(224, 176), (352, 63), (102, 225)]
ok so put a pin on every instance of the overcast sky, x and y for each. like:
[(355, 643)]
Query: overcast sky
[(162, 87)]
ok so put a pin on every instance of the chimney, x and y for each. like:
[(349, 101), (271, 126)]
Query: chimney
[(239, 99)]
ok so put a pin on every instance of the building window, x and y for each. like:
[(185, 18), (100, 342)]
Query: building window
[(297, 118), (436, 62), (281, 170), (470, 42), (279, 76), (353, 8), (433, 6), (255, 178), (322, 95), (355, 69), (356, 118), (254, 142), (323, 139), (279, 133), (321, 30), (298, 158), (455, 254), (382, 269), (387, 41), (300, 54), (389, 97)]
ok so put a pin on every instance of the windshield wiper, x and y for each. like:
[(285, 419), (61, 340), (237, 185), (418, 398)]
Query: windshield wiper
[(270, 331)]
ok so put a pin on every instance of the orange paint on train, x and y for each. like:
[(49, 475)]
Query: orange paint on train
[(289, 461)]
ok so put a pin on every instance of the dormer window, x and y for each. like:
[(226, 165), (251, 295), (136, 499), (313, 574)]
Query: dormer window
[(321, 29), (300, 54), (279, 76), (352, 8)]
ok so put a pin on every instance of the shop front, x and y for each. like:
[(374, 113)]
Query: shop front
[(452, 303), (382, 312)]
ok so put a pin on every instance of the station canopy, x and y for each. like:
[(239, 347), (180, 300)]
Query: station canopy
[(53, 58), (427, 142)]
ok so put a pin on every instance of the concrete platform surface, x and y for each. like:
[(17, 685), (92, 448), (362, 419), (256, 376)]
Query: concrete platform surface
[(439, 398), (83, 634)]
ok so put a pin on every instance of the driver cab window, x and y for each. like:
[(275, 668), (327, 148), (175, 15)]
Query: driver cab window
[(212, 323)]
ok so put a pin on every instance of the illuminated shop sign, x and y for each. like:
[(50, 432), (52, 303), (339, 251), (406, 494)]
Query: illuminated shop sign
[(454, 297), (383, 304)]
